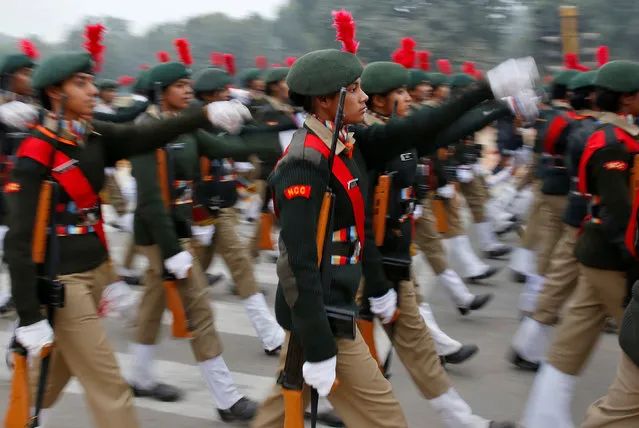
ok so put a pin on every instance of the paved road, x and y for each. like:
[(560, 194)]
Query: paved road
[(487, 382)]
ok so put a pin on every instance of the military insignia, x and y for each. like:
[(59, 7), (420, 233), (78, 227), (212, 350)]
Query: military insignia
[(11, 187), (616, 166), (353, 183), (65, 166), (404, 157), (272, 123), (298, 190)]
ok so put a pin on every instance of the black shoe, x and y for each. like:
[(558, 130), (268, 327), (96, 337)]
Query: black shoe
[(214, 278), (519, 278), (490, 272), (512, 226), (132, 280), (8, 308), (329, 418), (521, 363), (503, 251), (160, 392), (504, 424), (478, 302), (274, 352), (466, 352), (242, 411)]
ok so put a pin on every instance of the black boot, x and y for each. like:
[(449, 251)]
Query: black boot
[(521, 363), (159, 392), (242, 411), (490, 272), (478, 302), (214, 278), (132, 280), (465, 352)]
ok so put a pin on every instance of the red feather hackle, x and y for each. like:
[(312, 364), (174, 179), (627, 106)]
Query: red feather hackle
[(163, 56), (184, 51), (229, 61), (603, 55), (261, 62), (423, 58), (406, 54), (93, 35), (217, 59), (571, 62), (125, 80), (345, 29), (29, 49), (289, 61), (443, 65), (468, 67)]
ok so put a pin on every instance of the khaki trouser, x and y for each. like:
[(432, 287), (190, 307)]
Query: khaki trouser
[(455, 224), (620, 408), (193, 291), (529, 240), (428, 240), (82, 350), (475, 194), (116, 200), (233, 251), (599, 294), (550, 228), (363, 398), (129, 256), (261, 186), (561, 278), (415, 346)]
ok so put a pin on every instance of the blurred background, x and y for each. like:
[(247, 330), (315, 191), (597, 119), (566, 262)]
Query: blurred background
[(482, 31)]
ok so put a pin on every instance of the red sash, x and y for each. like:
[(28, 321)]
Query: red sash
[(68, 175)]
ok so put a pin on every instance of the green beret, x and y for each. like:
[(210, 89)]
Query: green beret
[(462, 80), (619, 76), (251, 74), (211, 79), (438, 79), (167, 73), (102, 84), (383, 76), (142, 82), (275, 75), (564, 77), (57, 68), (14, 62), (583, 80), (417, 77), (323, 72)]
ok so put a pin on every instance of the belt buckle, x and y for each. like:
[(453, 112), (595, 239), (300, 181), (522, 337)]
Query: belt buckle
[(91, 216), (358, 249)]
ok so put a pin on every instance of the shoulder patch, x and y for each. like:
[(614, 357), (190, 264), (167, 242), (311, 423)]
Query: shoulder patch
[(12, 187), (616, 166), (298, 190)]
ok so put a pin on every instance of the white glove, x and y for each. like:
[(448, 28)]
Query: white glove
[(418, 212), (512, 76), (507, 196), (228, 115), (241, 95), (17, 114), (524, 105), (385, 306), (137, 97), (126, 222), (446, 192), (180, 264), (465, 174), (479, 171), (34, 337), (203, 234), (321, 375), (120, 298)]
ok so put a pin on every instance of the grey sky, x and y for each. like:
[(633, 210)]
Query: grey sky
[(50, 18)]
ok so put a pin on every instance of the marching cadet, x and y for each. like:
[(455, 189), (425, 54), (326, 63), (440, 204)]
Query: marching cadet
[(531, 340), (604, 259), (252, 80), (107, 91), (64, 84), (16, 103), (419, 87), (162, 230), (386, 267), (363, 397), (277, 112), (210, 87)]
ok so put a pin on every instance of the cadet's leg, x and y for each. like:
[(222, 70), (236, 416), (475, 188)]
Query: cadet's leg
[(82, 343), (236, 257), (428, 240), (549, 229), (455, 223), (620, 407), (523, 259), (254, 246)]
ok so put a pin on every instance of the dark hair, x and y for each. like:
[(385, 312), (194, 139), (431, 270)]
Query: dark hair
[(369, 102), (558, 92), (44, 99), (579, 98), (608, 100)]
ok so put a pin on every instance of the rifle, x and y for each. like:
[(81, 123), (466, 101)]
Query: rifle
[(180, 327), (45, 253), (342, 321)]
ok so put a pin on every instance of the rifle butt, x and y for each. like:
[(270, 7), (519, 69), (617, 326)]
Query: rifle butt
[(293, 408), (18, 412), (322, 224), (380, 208), (180, 327), (439, 211), (367, 330), (265, 240)]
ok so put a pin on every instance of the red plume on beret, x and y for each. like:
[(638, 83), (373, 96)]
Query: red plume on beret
[(443, 65), (571, 62), (28, 48), (93, 43), (468, 67), (345, 29), (184, 51), (602, 54), (423, 58), (405, 55), (125, 80), (163, 56), (261, 62), (229, 61), (217, 59), (144, 67), (289, 61)]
